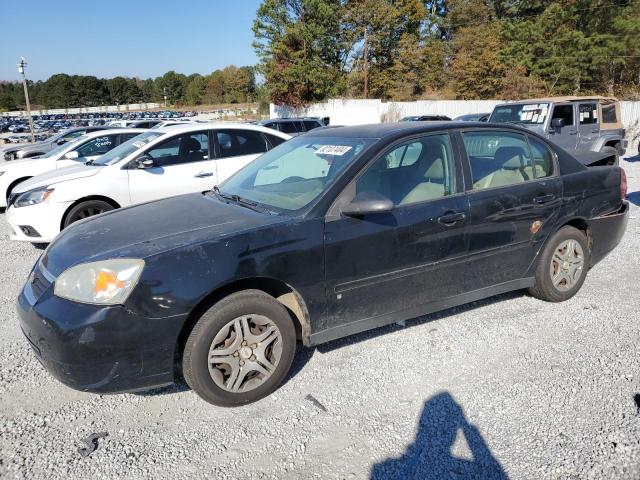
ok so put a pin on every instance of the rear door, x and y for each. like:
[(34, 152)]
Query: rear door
[(182, 164), (588, 125), (514, 197), (382, 263), (235, 148)]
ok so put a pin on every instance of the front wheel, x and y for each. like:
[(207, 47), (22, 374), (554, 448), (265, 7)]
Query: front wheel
[(563, 266), (86, 209), (240, 350)]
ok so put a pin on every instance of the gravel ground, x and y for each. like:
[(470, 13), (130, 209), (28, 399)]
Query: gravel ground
[(507, 387)]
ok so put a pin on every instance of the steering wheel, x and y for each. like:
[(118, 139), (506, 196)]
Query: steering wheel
[(292, 179)]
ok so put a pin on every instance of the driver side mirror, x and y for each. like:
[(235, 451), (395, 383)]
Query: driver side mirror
[(557, 122), (145, 161), (366, 203), (72, 155)]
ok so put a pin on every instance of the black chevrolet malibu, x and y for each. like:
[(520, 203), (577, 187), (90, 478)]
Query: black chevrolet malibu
[(331, 233)]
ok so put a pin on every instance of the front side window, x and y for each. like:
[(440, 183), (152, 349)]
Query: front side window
[(187, 148), (416, 171), (288, 127), (97, 146), (588, 113), (565, 112), (311, 124), (296, 173), (235, 143), (73, 135), (498, 159)]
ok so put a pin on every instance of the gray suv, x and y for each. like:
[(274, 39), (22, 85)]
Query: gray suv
[(29, 150), (589, 127), (294, 126)]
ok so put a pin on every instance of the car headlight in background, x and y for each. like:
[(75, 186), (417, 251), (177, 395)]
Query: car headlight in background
[(107, 282), (33, 197), (20, 154)]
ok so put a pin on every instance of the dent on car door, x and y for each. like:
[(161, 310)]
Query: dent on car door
[(236, 148), (514, 199), (380, 263)]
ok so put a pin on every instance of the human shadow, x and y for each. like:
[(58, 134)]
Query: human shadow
[(430, 456), (634, 197)]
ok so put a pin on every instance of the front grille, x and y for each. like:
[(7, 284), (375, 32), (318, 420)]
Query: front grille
[(39, 281)]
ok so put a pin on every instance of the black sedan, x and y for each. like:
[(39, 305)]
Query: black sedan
[(329, 234)]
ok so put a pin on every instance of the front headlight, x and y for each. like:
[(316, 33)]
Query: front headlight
[(107, 282), (33, 197)]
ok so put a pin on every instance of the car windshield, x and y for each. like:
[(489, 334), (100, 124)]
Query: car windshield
[(294, 174), (127, 148), (529, 113), (60, 148)]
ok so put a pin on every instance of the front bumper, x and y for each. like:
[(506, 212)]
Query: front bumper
[(44, 218), (607, 231), (92, 348)]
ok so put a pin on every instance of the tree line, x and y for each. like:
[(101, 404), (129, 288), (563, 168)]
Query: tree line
[(310, 50), (229, 85)]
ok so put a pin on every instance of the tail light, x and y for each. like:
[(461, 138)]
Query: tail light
[(623, 184)]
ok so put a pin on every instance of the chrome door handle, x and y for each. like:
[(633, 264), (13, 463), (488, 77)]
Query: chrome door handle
[(204, 174), (450, 219)]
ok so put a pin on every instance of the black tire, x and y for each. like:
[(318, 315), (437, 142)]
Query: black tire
[(612, 151), (195, 358), (85, 210), (544, 288)]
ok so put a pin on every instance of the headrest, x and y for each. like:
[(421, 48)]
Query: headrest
[(192, 145), (510, 157)]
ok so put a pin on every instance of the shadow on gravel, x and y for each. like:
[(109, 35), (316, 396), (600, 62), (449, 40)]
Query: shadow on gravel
[(369, 334), (635, 158), (431, 455), (634, 197)]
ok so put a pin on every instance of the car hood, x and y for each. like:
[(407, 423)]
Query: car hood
[(151, 228), (56, 176), (21, 163), (37, 146)]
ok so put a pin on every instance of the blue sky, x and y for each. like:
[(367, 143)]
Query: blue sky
[(143, 38)]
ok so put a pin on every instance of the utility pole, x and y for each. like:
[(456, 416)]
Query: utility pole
[(164, 91), (21, 65), (366, 64)]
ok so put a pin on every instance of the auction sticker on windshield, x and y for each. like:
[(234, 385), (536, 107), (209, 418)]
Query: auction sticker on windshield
[(333, 150)]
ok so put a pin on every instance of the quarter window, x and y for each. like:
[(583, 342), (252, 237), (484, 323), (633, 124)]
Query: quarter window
[(498, 159), (542, 158), (234, 143), (188, 148), (413, 172), (588, 113)]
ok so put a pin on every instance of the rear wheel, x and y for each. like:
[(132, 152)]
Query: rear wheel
[(240, 350), (563, 266), (85, 210)]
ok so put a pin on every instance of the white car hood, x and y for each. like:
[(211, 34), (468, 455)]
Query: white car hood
[(56, 176), (4, 164)]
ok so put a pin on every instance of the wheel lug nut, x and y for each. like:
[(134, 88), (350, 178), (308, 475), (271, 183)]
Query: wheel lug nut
[(241, 362), (244, 343), (252, 358), (235, 354), (253, 345)]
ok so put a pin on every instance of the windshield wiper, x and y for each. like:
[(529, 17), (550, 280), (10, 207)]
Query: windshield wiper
[(238, 200)]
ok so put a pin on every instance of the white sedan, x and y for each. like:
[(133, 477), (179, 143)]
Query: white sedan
[(82, 149), (156, 164)]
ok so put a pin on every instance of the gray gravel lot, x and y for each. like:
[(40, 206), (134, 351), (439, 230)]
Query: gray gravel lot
[(507, 387)]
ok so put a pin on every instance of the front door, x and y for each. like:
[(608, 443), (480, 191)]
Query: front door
[(588, 126), (567, 136), (382, 263), (514, 199), (182, 164)]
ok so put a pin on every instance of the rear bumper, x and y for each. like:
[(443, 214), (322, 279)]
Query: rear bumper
[(607, 231), (92, 348)]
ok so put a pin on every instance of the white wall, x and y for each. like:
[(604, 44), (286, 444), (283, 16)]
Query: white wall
[(73, 111), (358, 112)]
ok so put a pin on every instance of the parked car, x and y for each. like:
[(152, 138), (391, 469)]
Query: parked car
[(329, 234), (425, 118), (293, 126), (588, 127), (40, 148), (157, 164), (85, 148), (473, 117), (144, 123)]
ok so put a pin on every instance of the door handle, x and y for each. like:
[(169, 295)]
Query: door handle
[(450, 219), (204, 174), (573, 133), (595, 131), (542, 199)]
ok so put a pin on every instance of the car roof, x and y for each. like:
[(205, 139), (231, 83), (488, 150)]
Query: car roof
[(569, 98), (108, 131), (385, 130), (192, 127)]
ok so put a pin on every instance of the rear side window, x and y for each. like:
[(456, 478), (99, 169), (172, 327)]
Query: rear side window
[(288, 127), (498, 159), (588, 113), (609, 113), (565, 112), (234, 143), (542, 158)]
